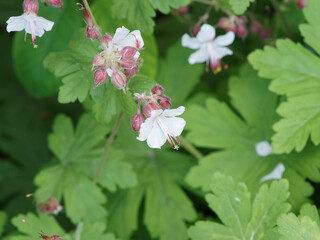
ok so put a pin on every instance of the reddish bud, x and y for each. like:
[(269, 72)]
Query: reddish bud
[(127, 63), (55, 3), (55, 237), (136, 121), (255, 26), (183, 10), (301, 4), (157, 90), (194, 30), (99, 60), (133, 70), (100, 76), (223, 22), (232, 28), (50, 206), (165, 102), (242, 31), (149, 108), (93, 31), (31, 6), (128, 52), (106, 38), (119, 79)]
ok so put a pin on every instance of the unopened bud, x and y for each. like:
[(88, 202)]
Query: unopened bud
[(55, 237), (93, 32), (99, 60), (128, 52), (183, 10), (100, 77), (301, 4), (255, 26), (127, 63), (231, 28), (50, 206), (106, 38), (157, 90), (55, 3), (165, 102), (194, 30), (242, 31), (136, 121), (223, 22), (133, 70), (149, 108), (30, 6), (119, 79)]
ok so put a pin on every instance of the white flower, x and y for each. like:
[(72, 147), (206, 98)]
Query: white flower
[(276, 173), (263, 148), (123, 38), (211, 49), (162, 126), (32, 23)]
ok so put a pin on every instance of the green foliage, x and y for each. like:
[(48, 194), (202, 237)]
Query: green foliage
[(28, 61), (295, 73), (306, 226), (218, 127), (78, 154), (3, 219), (140, 13), (238, 7), (241, 218)]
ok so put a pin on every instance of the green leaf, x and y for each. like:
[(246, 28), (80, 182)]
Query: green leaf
[(295, 73), (241, 219), (40, 82), (95, 231), (240, 6), (74, 66), (218, 127), (44, 222), (3, 219), (177, 76)]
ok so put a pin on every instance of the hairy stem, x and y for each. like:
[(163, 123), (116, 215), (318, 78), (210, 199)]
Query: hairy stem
[(86, 5), (107, 147), (191, 149)]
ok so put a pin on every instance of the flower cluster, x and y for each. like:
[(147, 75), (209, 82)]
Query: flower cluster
[(210, 49), (30, 21), (119, 59), (161, 124), (234, 24), (51, 205)]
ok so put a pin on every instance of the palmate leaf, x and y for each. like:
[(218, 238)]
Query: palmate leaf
[(140, 13), (304, 227), (218, 127), (294, 71), (242, 219), (78, 157), (236, 6)]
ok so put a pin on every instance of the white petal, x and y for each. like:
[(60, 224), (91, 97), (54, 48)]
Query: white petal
[(225, 40), (156, 137), (263, 148), (109, 71), (138, 38), (16, 23), (145, 129), (206, 33), (120, 34), (276, 173), (173, 112), (155, 113), (220, 52), (176, 125), (42, 24), (190, 42), (199, 56)]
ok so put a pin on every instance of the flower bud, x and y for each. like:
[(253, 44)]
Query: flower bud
[(92, 31), (119, 79), (100, 76), (231, 28), (127, 63), (157, 90), (106, 38), (255, 26), (183, 10), (242, 31), (99, 60), (50, 206), (136, 121), (194, 30), (149, 108), (301, 4), (242, 20), (55, 3), (30, 6), (165, 102), (128, 52), (133, 70), (223, 22), (55, 237)]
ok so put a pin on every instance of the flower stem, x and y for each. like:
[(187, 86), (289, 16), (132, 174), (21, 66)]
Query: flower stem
[(191, 149), (107, 147), (283, 19), (86, 5)]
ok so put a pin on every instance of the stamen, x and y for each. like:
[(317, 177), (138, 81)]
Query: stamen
[(171, 137)]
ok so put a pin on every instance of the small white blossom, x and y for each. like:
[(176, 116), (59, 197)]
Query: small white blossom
[(123, 38), (276, 173), (210, 49), (263, 148), (162, 125), (31, 23)]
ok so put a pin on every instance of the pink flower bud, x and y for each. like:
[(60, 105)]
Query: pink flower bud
[(55, 3), (255, 26), (127, 63), (231, 28), (301, 4), (119, 79), (133, 70), (99, 60), (194, 30), (223, 22), (165, 102), (100, 76), (183, 10), (242, 31), (30, 6), (93, 31), (50, 206), (55, 237), (128, 52), (106, 38), (157, 90), (136, 121), (149, 108)]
